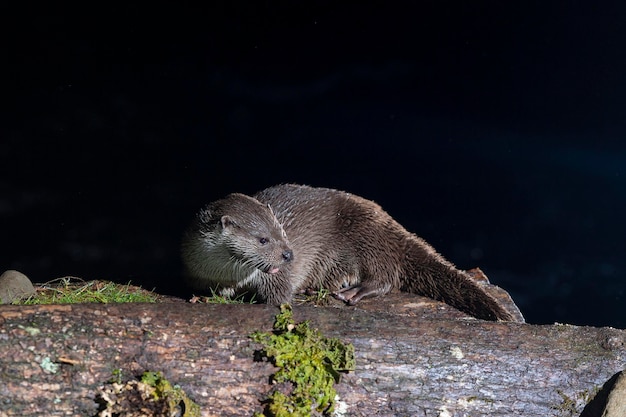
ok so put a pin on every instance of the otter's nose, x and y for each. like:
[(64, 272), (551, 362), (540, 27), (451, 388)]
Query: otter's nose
[(288, 255)]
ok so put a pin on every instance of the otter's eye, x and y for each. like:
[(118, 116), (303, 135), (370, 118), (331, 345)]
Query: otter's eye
[(263, 240)]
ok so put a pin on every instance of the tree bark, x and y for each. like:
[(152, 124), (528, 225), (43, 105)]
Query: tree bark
[(415, 358)]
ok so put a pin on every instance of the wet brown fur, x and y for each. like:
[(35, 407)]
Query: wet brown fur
[(339, 241)]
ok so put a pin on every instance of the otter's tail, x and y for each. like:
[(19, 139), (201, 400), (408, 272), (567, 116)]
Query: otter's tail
[(442, 281)]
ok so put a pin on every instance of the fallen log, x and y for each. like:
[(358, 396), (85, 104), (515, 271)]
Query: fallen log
[(417, 357)]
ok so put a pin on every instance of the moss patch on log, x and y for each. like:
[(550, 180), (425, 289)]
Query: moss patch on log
[(153, 395), (71, 290), (309, 366)]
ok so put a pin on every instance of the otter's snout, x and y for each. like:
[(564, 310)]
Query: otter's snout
[(288, 255)]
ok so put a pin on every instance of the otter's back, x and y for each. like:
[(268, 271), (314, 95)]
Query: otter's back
[(335, 235)]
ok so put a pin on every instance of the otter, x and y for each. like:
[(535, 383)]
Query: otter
[(289, 238)]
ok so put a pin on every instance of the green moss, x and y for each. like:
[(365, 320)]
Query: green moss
[(116, 375), (320, 297), (152, 396), (71, 290), (174, 396), (309, 366), (217, 298)]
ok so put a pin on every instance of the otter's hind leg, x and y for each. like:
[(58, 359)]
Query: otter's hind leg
[(354, 293)]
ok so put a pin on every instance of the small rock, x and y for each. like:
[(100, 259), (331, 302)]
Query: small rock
[(14, 285)]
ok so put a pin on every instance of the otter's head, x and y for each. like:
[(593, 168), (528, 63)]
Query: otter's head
[(249, 232)]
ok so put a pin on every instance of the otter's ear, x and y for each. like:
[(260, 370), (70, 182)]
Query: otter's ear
[(227, 222)]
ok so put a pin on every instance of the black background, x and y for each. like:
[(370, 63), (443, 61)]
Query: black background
[(495, 130)]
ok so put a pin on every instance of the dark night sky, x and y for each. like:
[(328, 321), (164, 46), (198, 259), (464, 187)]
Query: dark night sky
[(494, 131)]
